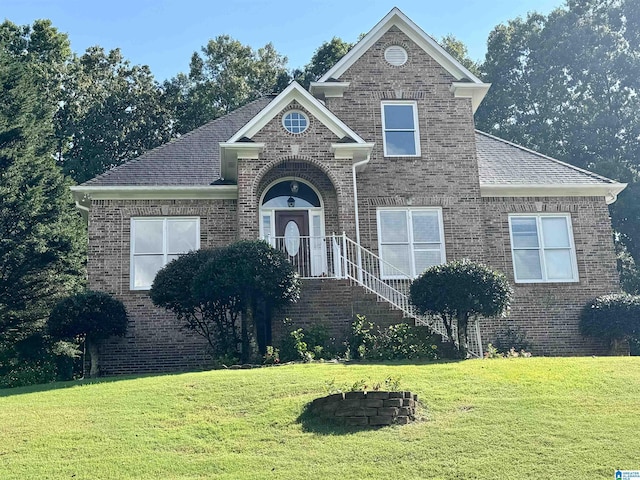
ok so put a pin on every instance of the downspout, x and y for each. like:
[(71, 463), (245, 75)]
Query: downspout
[(355, 196), (84, 211), (357, 215)]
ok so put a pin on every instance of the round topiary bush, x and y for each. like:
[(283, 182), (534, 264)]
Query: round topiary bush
[(92, 316), (614, 317), (459, 291)]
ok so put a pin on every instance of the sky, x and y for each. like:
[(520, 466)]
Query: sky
[(164, 33)]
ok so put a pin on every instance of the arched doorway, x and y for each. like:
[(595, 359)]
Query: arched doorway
[(292, 220)]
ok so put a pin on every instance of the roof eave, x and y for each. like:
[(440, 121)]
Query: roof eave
[(609, 191), (475, 91), (84, 194)]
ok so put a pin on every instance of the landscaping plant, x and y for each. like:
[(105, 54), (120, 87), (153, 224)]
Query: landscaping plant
[(459, 292), (91, 317), (615, 318), (217, 293)]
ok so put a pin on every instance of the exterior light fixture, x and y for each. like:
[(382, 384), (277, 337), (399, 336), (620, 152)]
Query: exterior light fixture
[(294, 187), (291, 202)]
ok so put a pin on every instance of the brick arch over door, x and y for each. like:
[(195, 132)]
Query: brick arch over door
[(296, 167)]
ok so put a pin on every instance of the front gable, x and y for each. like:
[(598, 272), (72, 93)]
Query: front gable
[(343, 142), (464, 84)]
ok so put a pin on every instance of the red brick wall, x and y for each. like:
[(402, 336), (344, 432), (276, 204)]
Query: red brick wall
[(445, 175), (549, 312), (154, 340)]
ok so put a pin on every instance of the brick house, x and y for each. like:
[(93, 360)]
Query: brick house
[(373, 175)]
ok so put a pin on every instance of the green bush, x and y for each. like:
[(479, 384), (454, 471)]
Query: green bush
[(396, 342), (219, 294), (313, 343), (458, 292), (27, 362), (614, 317), (90, 316)]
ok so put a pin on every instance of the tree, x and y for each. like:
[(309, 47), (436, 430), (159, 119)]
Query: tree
[(460, 52), (111, 111), (256, 276), (566, 85), (223, 77), (216, 293), (212, 315), (325, 57), (42, 239), (90, 316), (615, 318), (459, 291)]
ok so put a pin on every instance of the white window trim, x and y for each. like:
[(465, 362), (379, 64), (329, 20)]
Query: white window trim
[(416, 131), (414, 274), (289, 112), (541, 248), (164, 243)]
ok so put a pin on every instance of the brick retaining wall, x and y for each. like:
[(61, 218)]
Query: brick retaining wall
[(375, 408)]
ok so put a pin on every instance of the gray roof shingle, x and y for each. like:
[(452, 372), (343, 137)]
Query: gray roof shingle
[(192, 159), (504, 163)]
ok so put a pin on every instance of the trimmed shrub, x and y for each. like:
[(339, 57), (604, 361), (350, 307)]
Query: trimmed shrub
[(614, 317), (90, 316), (227, 294), (458, 292)]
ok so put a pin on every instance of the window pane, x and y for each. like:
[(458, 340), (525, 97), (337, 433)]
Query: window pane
[(393, 226), (400, 143), (181, 236), (398, 257), (555, 232), (398, 117), (266, 226), (527, 264), (524, 232), (558, 264), (147, 236), (145, 268), (426, 227), (425, 259)]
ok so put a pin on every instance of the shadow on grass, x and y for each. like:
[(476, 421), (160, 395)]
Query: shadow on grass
[(46, 387), (312, 424)]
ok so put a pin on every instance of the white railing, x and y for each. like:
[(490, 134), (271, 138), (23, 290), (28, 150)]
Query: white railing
[(312, 256), (337, 256)]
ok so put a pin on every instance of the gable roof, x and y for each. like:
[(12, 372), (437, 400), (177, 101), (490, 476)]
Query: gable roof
[(467, 85), (508, 169), (296, 92), (398, 19), (192, 159), (348, 145)]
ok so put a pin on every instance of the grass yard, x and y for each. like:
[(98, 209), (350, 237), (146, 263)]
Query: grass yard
[(536, 418)]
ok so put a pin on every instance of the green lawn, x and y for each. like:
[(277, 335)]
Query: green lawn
[(537, 418)]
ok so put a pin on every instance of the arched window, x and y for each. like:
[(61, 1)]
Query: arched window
[(289, 194)]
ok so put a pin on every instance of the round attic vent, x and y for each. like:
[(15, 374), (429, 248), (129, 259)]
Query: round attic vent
[(396, 55)]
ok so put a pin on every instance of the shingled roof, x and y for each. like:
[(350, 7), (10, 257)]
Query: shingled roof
[(504, 163), (192, 159)]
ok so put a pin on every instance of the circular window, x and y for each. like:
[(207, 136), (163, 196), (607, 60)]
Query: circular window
[(295, 122), (396, 55)]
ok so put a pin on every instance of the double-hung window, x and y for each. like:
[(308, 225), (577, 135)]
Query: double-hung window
[(400, 129), (542, 248), (156, 241), (410, 241)]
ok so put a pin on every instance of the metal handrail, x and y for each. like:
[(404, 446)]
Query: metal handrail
[(341, 257)]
